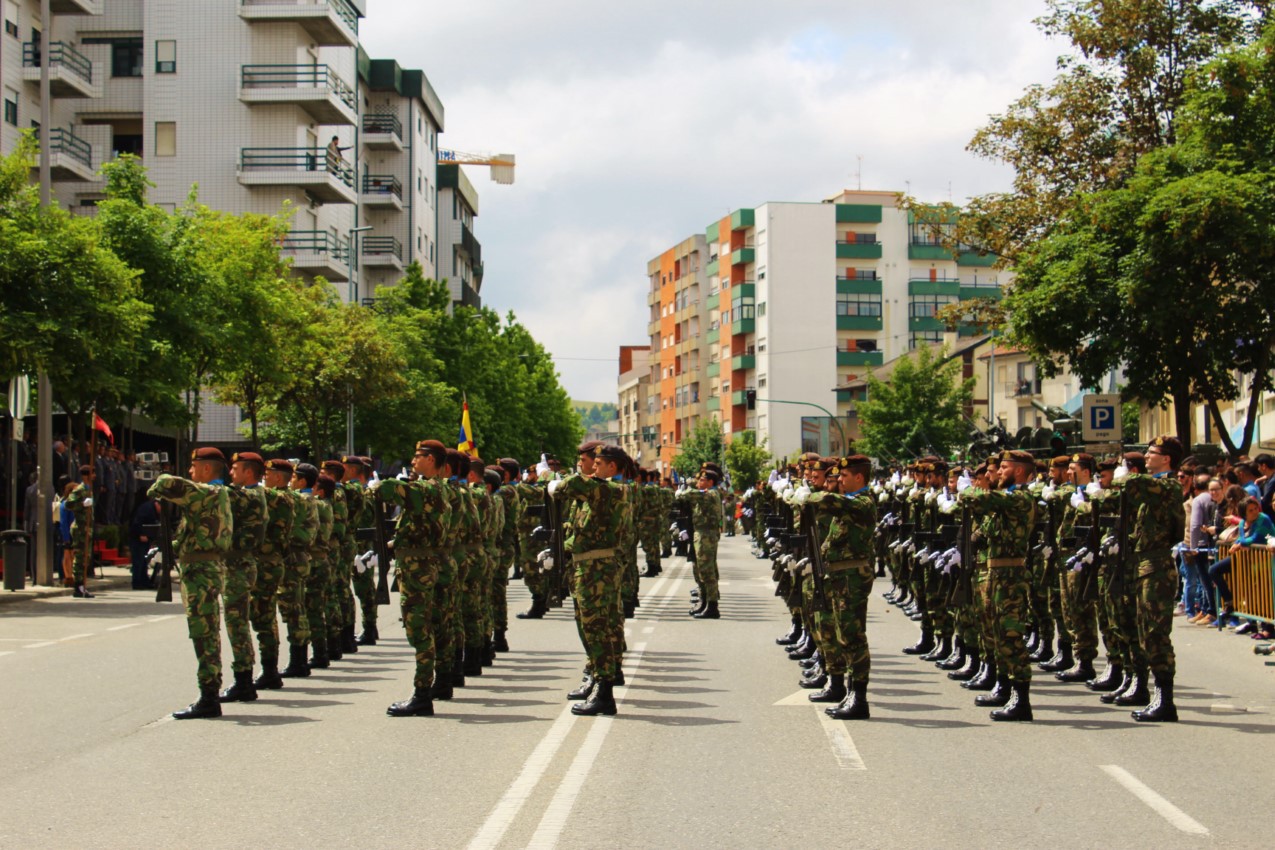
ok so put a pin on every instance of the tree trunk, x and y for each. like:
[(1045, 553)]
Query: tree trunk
[(1182, 413)]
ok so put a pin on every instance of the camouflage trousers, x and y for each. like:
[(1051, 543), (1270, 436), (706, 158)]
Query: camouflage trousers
[(201, 584), (333, 610), (706, 565), (1079, 617), (629, 579), (1120, 629), (597, 597), (417, 584), (532, 576), (292, 598), (941, 619), (823, 627), (500, 589), (984, 615), (1008, 589), (916, 580), (365, 591), (316, 600), (264, 608), (649, 537), (1157, 587), (79, 563), (666, 536), (848, 592), (344, 580), (1043, 598), (241, 577), (446, 612), (472, 616)]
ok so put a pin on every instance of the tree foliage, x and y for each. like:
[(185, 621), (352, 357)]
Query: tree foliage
[(746, 459), (706, 442), (918, 409)]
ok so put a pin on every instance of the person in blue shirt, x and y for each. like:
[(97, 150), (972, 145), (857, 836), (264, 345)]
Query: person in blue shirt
[(1255, 527)]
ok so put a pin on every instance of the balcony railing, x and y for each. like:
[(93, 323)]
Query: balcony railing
[(382, 245), (60, 53), (65, 142), (388, 184), (316, 242), (1023, 388), (343, 10), (297, 159), (298, 77), (383, 124)]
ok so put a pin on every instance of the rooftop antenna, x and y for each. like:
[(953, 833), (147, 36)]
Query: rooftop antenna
[(949, 191), (859, 173)]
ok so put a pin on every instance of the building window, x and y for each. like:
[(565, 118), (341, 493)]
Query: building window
[(126, 58), (11, 18), (925, 306), (930, 233), (924, 338), (166, 57), (761, 309), (10, 107), (858, 305), (165, 138)]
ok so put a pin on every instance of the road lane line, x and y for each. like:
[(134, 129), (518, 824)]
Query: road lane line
[(8, 652), (648, 630), (41, 644), (843, 748), (167, 718), (75, 637), (125, 626), (161, 618), (1158, 804)]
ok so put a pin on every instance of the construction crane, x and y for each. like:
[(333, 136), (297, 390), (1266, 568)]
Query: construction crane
[(501, 164)]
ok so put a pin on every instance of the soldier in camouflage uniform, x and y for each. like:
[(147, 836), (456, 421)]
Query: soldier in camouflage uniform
[(296, 579), (828, 674), (531, 493), (1117, 592), (80, 504), (1154, 506), (596, 526), (509, 540), (466, 531), (358, 471), (316, 586), (1079, 615), (627, 551), (476, 570), (271, 569), (422, 548), (340, 608), (201, 541), (1008, 516), (650, 518), (705, 503), (666, 521), (249, 511)]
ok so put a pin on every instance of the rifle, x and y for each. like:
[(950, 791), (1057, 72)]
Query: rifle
[(961, 587), (815, 556), (381, 543), (164, 589), (558, 547), (1122, 539)]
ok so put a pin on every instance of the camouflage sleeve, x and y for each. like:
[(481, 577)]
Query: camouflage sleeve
[(577, 488), (392, 491), (170, 488)]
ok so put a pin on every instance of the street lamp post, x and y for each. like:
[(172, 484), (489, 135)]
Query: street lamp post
[(835, 421), (354, 299)]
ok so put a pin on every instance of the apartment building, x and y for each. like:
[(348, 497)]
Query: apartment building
[(460, 254), (678, 298), (638, 426)]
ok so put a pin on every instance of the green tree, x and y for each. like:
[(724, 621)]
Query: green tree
[(918, 410), (705, 443), (746, 459)]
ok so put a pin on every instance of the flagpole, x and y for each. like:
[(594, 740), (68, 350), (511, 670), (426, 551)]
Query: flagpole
[(92, 511)]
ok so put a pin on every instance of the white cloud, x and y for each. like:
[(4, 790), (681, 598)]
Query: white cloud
[(637, 124)]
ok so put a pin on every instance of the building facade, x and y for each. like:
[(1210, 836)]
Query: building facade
[(460, 254), (678, 298), (638, 425)]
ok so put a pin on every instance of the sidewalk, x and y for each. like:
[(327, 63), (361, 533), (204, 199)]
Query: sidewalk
[(113, 578)]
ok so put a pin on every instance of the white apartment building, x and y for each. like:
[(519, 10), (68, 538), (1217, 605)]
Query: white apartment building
[(460, 254), (638, 425)]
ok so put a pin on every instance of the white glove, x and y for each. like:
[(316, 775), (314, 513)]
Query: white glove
[(547, 563), (1048, 552), (88, 503), (801, 494), (684, 536), (404, 475), (895, 478), (553, 486), (884, 497), (154, 558), (931, 497), (1048, 492), (375, 484), (367, 561), (1077, 499), (964, 482), (1093, 488), (1121, 473)]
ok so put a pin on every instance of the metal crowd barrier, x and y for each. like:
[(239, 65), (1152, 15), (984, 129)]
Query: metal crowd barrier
[(1252, 582)]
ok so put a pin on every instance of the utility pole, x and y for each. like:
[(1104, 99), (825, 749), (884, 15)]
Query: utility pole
[(845, 445), (44, 424)]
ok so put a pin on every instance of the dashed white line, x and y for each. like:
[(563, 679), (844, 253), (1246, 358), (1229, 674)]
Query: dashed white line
[(161, 618), (648, 630), (75, 637), (125, 626), (1157, 804), (843, 748), (40, 645), (8, 652)]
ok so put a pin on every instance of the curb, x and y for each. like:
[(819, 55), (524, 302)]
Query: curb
[(110, 582)]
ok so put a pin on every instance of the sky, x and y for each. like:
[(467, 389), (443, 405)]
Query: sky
[(636, 124)]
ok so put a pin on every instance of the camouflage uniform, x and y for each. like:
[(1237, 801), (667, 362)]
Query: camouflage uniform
[(1007, 522), (706, 519), (81, 508), (596, 528), (627, 549), (421, 551), (465, 528), (317, 585), (530, 495), (847, 558), (271, 568), (651, 517), (1078, 616), (292, 590), (1155, 507), (362, 515), (477, 570), (1117, 611), (340, 564), (509, 539), (666, 523), (248, 507), (201, 540)]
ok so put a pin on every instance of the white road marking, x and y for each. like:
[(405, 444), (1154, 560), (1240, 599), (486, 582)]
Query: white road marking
[(843, 748), (799, 698), (167, 718), (533, 769), (648, 630), (40, 644), (161, 618), (9, 652), (75, 637), (125, 626), (1158, 804)]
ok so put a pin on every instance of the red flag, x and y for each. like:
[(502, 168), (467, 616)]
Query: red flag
[(99, 424)]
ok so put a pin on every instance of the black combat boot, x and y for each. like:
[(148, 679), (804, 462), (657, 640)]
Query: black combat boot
[(942, 649), (208, 705), (1162, 709), (815, 678), (999, 695), (369, 636), (1137, 693), (803, 650), (1110, 679), (602, 702), (334, 646), (443, 688), (500, 643), (709, 612), (1019, 707), (985, 680), (489, 651), (854, 706), (1126, 681), (585, 689), (922, 646), (807, 663), (269, 680), (1033, 641), (1082, 672), (319, 659), (1062, 660), (242, 690), (700, 604), (537, 609), (967, 671), (458, 669), (348, 644), (297, 667), (1044, 651), (792, 636), (473, 660), (835, 691), (955, 660), (421, 704)]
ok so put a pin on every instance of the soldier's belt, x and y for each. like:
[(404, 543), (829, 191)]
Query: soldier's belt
[(842, 566), (202, 557), (415, 552), (593, 555), (1006, 562)]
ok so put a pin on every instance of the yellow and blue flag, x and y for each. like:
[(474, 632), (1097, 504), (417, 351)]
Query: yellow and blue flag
[(465, 440)]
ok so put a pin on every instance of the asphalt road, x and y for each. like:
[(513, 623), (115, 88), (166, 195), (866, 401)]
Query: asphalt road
[(714, 746)]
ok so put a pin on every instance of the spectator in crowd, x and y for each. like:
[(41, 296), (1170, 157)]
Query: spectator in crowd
[(61, 460), (1266, 483), (139, 542), (1247, 472), (1190, 604), (1254, 529), (1201, 530), (30, 517), (130, 484)]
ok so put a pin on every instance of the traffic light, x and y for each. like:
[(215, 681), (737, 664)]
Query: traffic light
[(750, 398)]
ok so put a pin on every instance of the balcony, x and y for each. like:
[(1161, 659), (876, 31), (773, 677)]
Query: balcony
[(714, 403), (741, 219), (928, 251), (712, 268), (470, 245), (383, 191), (860, 358), (713, 336), (382, 252), (75, 7), (70, 72), (973, 258), (859, 323), (855, 250), (741, 362), (925, 323), (318, 252), (922, 286), (743, 289), (858, 213), (331, 23), (317, 89), (714, 369), (993, 293), (743, 326), (328, 179), (70, 156), (858, 286), (1024, 388), (713, 302), (383, 132), (739, 397), (743, 257)]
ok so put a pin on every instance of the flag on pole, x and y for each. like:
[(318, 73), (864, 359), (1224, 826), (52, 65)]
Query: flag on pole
[(99, 424), (465, 440)]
